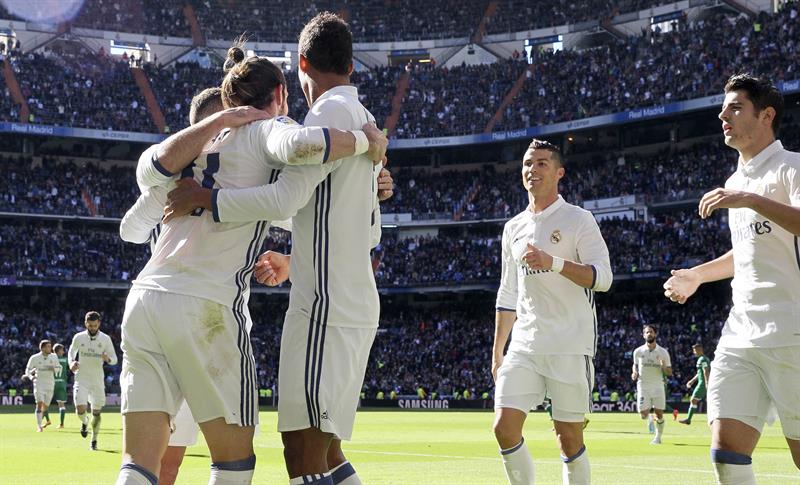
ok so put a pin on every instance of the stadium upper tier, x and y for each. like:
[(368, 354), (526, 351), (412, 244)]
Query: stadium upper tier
[(370, 20), (83, 89), (443, 349)]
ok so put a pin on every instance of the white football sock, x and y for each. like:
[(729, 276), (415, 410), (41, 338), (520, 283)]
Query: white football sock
[(659, 428), (518, 464), (233, 472), (133, 474), (732, 468), (575, 470)]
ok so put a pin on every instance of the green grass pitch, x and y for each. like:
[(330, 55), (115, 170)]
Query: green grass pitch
[(404, 447)]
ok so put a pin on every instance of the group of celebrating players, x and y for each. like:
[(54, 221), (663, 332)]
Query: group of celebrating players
[(209, 191)]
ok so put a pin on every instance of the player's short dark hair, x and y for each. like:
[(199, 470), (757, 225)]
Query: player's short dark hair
[(57, 347), (204, 104), (697, 345), (650, 325), (43, 343), (762, 93), (537, 144), (92, 316), (327, 42), (249, 81)]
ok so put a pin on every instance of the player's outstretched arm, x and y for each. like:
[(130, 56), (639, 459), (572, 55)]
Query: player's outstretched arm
[(295, 144), (159, 163), (684, 282), (139, 221), (785, 215)]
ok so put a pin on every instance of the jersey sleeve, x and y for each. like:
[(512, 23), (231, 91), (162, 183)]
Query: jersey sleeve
[(276, 201), (792, 182), (73, 350), (149, 171), (110, 351), (138, 223), (282, 139), (667, 361), (30, 366), (507, 293), (592, 250)]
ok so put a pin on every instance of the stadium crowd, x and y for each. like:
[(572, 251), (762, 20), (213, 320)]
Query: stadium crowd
[(488, 192), (78, 88), (43, 250), (645, 70), (443, 349)]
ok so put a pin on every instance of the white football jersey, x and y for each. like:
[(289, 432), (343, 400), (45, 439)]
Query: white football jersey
[(199, 256), (335, 225), (766, 257), (648, 366), (47, 369), (88, 351), (554, 315)]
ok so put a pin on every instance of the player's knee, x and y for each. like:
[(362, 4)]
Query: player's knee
[(506, 433)]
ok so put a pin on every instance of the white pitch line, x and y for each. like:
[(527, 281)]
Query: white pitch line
[(553, 462)]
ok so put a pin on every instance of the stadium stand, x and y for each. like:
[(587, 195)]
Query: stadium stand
[(157, 17)]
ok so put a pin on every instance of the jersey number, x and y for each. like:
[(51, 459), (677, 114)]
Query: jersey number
[(212, 167)]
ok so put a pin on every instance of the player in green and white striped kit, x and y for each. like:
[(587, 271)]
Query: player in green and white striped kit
[(699, 381), (60, 390)]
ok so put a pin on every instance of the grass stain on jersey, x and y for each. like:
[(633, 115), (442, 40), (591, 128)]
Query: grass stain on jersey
[(304, 151)]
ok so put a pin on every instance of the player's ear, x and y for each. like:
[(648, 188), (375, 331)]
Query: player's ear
[(303, 64), (350, 69)]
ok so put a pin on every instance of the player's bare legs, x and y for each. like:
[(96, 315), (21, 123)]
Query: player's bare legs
[(659, 421), (170, 464), (231, 448), (573, 452), (80, 410), (732, 445), (508, 423), (145, 436), (794, 447), (305, 452), (342, 472)]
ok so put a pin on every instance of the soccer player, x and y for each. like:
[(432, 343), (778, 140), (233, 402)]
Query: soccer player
[(333, 305), (60, 390), (700, 380), (88, 352), (191, 296), (651, 364), (553, 260), (42, 369), (757, 360)]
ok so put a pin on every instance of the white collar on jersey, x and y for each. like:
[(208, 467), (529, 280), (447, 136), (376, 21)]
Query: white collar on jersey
[(749, 167), (343, 89), (549, 210)]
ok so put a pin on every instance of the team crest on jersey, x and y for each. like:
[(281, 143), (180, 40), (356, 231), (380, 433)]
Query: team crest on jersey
[(285, 120), (555, 237)]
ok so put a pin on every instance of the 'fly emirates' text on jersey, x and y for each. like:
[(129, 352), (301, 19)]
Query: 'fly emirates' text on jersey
[(88, 351), (766, 257), (648, 366), (554, 315)]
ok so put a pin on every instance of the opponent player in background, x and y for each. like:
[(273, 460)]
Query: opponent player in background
[(200, 270), (42, 368), (553, 260), (651, 364), (88, 352), (699, 381), (757, 360), (60, 390)]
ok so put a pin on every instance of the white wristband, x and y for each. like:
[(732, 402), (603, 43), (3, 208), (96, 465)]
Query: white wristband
[(362, 143), (558, 264)]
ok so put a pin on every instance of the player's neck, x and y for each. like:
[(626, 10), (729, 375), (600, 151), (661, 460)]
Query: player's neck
[(322, 83), (541, 202), (651, 346), (750, 152)]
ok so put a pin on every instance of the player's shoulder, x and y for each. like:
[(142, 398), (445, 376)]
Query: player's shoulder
[(516, 221), (336, 108), (639, 349)]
